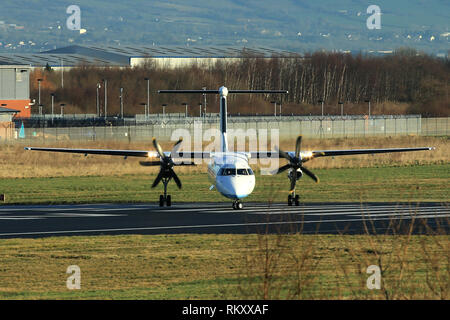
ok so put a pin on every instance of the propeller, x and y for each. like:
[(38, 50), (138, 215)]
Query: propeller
[(295, 163), (166, 164)]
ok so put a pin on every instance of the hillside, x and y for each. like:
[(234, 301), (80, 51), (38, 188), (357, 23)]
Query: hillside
[(299, 25)]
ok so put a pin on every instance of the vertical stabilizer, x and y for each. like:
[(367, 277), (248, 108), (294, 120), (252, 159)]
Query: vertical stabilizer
[(223, 91)]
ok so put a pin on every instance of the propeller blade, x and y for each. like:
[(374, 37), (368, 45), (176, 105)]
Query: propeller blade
[(158, 179), (175, 178), (283, 154), (298, 145), (150, 163), (158, 148), (293, 180), (176, 146), (310, 174), (281, 169)]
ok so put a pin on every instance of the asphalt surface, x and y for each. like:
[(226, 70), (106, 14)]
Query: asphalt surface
[(208, 218)]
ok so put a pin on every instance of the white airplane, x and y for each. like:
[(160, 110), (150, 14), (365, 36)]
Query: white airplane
[(229, 172)]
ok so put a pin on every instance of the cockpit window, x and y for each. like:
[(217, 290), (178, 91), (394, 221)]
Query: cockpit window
[(228, 172), (242, 172), (233, 171)]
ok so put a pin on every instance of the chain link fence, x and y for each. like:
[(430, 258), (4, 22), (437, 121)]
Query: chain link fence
[(289, 128)]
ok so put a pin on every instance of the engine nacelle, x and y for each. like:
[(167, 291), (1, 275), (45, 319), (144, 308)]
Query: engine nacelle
[(299, 174)]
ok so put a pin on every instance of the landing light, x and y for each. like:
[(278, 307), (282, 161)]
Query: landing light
[(308, 154)]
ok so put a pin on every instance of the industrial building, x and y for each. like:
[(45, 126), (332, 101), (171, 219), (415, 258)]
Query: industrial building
[(123, 56), (15, 89)]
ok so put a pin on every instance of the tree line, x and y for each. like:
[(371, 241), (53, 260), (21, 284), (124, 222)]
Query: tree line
[(404, 82)]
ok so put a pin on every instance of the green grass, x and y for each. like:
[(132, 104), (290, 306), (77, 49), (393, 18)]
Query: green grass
[(404, 183), (224, 267)]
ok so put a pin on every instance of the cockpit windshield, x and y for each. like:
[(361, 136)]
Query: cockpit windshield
[(234, 171)]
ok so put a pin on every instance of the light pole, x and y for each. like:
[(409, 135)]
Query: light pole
[(342, 108), (62, 109), (186, 106), (53, 105), (62, 74), (39, 90), (145, 110), (121, 103), (368, 100), (106, 97), (148, 93), (274, 108), (321, 101), (280, 103), (204, 101), (164, 110), (98, 99)]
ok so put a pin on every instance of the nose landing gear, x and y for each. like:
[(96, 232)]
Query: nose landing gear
[(166, 198), (293, 199), (237, 205)]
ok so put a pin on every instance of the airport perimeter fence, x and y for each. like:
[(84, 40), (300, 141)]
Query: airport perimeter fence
[(310, 127)]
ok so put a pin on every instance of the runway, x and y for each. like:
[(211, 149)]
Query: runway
[(209, 218)]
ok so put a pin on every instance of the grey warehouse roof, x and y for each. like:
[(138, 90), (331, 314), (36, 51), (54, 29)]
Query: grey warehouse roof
[(7, 110), (121, 55)]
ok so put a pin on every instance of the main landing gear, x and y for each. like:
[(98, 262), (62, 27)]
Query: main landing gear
[(293, 199), (237, 205)]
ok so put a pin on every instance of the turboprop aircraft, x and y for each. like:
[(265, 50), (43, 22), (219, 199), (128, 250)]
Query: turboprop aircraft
[(228, 171)]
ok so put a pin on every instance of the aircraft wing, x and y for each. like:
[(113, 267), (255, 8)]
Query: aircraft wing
[(328, 153), (332, 153), (125, 153)]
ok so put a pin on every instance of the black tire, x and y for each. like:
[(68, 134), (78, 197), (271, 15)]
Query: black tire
[(289, 200), (161, 200), (169, 201), (234, 206), (297, 200)]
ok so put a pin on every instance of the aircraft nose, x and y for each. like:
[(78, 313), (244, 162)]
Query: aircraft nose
[(242, 189)]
